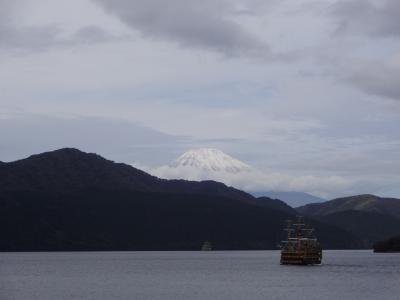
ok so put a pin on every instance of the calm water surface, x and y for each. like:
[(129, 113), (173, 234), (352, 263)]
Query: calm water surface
[(196, 275)]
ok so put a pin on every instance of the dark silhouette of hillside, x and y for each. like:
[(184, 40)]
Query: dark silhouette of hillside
[(366, 203), (275, 204), (370, 218), (388, 245), (367, 226)]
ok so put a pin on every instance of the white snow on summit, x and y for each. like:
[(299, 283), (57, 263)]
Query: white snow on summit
[(205, 164), (213, 164), (209, 159)]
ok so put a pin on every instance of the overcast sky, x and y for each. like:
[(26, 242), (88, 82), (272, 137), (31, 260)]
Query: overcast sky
[(300, 88)]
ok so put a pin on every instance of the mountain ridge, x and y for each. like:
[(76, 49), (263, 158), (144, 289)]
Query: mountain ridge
[(364, 202), (369, 217), (59, 169), (369, 227)]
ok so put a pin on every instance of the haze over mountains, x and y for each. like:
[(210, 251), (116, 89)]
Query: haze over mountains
[(213, 164), (294, 199)]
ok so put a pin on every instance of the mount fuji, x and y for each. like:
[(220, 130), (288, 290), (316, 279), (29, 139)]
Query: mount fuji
[(205, 164), (213, 164), (211, 160)]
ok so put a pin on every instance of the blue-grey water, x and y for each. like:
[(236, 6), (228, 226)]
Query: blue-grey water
[(196, 275)]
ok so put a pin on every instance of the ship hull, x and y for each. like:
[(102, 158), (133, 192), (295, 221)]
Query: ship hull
[(296, 258)]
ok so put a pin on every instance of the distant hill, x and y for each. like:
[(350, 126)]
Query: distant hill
[(294, 199), (389, 245), (370, 218), (369, 227), (71, 200), (366, 203)]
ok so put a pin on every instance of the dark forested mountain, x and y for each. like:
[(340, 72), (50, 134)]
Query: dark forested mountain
[(369, 217), (390, 245), (71, 200), (369, 227), (275, 204), (366, 203)]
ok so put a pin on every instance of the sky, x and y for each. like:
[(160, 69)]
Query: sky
[(304, 90)]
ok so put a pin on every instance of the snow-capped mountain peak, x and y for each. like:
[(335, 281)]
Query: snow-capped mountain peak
[(209, 159), (213, 164)]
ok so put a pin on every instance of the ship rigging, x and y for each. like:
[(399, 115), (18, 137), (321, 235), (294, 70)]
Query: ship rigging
[(301, 246)]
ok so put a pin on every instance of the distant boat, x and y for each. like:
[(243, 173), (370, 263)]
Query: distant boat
[(206, 246), (301, 246)]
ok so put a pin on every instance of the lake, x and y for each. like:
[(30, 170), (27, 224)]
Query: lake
[(196, 275)]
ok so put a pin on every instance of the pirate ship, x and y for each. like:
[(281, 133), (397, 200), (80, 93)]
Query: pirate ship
[(301, 246)]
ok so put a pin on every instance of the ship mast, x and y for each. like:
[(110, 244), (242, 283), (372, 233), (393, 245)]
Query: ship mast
[(299, 231), (289, 229)]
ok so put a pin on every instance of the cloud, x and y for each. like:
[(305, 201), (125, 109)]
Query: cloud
[(257, 181), (18, 36), (205, 24), (378, 76), (378, 80), (365, 53), (33, 38), (26, 134), (13, 35), (91, 34), (368, 17)]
